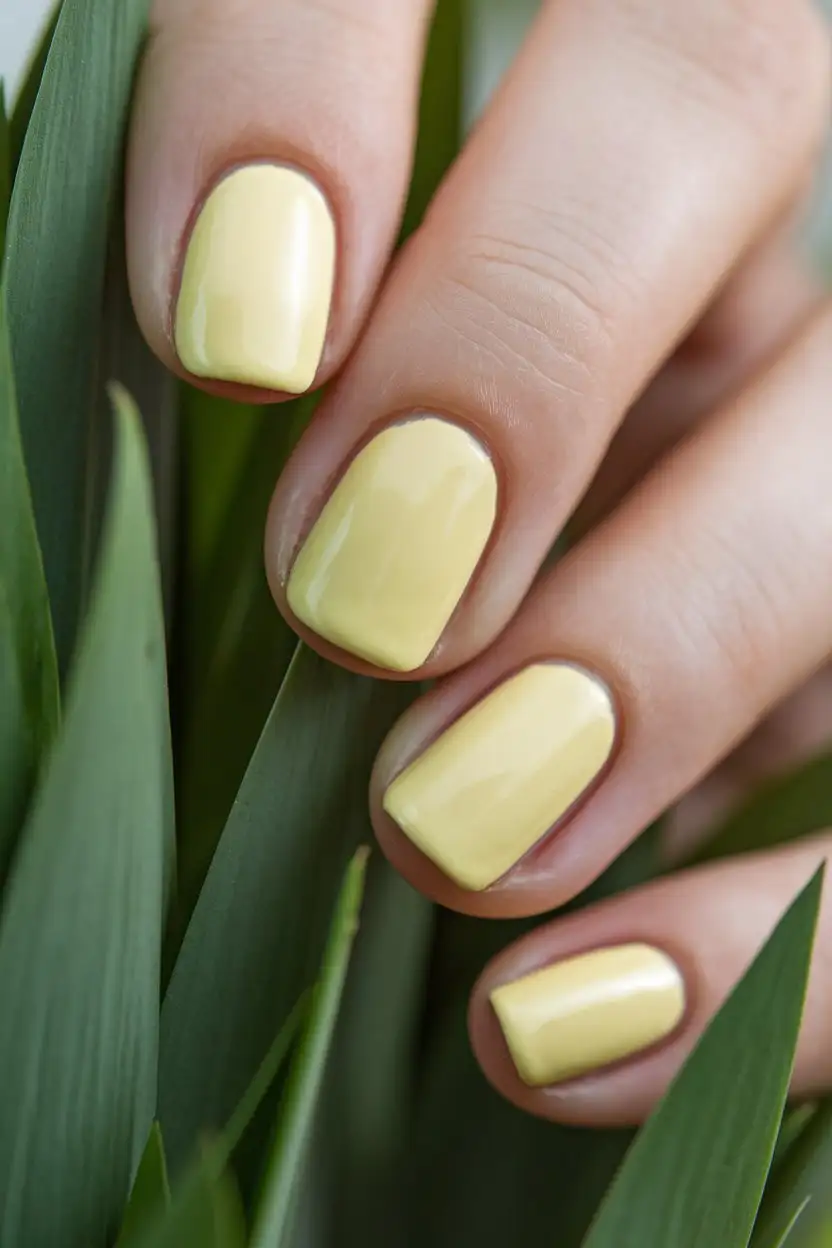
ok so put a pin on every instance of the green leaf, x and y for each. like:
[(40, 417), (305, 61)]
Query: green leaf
[(783, 809), (538, 1175), (27, 93), (238, 646), (205, 1210), (150, 1194), (256, 935), (541, 1178), (370, 1099), (793, 1221), (819, 1237), (29, 709), (265, 1077), (297, 1114), (81, 924), (440, 127), (123, 353), (801, 1174), (791, 1128), (696, 1173), (57, 243), (217, 435)]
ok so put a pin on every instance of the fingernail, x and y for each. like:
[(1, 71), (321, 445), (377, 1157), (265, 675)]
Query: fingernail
[(257, 281), (488, 789), (393, 549), (589, 1011)]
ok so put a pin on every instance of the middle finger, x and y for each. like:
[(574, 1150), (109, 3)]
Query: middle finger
[(635, 151)]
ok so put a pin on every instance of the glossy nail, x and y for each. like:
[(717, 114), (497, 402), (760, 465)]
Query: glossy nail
[(589, 1011), (493, 783), (391, 553), (257, 281)]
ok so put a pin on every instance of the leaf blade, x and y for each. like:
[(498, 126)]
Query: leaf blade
[(298, 1107), (238, 647), (55, 259), (80, 930), (263, 1080), (695, 1175), (29, 705), (257, 932), (779, 811), (150, 1194), (796, 1179), (369, 1105), (205, 1210)]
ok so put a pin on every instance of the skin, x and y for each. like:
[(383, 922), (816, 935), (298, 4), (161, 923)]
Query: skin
[(607, 292)]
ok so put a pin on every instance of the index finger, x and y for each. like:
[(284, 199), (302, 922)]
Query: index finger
[(269, 157)]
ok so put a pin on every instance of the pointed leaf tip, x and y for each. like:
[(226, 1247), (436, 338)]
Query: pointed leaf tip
[(695, 1175), (78, 1030)]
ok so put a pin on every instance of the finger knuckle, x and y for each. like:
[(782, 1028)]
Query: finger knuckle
[(542, 309)]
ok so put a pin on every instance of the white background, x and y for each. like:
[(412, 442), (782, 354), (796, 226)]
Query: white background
[(19, 24)]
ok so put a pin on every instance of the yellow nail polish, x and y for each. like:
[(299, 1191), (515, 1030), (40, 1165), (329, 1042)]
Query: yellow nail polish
[(395, 546), (257, 281), (589, 1011), (488, 789)]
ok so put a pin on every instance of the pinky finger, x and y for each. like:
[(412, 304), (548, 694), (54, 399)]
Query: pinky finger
[(631, 984)]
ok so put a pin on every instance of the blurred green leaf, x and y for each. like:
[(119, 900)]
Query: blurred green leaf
[(299, 1104), (264, 1079), (236, 644), (150, 1194), (257, 932), (787, 1233), (803, 1171), (124, 354), (29, 709), (482, 1172), (205, 1210), (819, 1237), (696, 1173), (82, 916), (781, 810), (538, 1174), (794, 1121), (369, 1101), (439, 135), (218, 434), (56, 248), (27, 94)]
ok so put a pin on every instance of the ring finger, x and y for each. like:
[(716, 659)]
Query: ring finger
[(635, 665)]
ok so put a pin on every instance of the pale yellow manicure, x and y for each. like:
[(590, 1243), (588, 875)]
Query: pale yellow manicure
[(257, 281), (487, 790), (589, 1011), (393, 549)]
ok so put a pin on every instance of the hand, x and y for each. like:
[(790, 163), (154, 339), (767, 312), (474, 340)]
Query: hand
[(607, 273)]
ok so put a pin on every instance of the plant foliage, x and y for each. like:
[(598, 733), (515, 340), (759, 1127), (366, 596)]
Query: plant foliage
[(222, 1056)]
